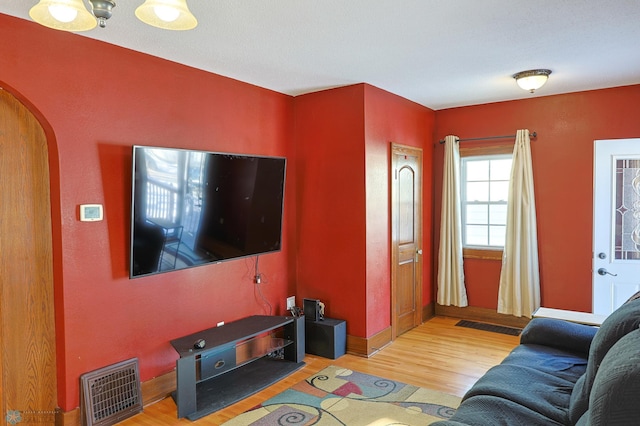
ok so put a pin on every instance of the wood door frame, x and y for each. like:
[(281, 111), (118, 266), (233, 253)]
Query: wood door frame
[(25, 133), (396, 150)]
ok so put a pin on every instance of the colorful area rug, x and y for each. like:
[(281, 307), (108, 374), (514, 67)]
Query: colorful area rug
[(336, 396)]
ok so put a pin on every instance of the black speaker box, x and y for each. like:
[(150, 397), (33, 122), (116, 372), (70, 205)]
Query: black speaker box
[(327, 338)]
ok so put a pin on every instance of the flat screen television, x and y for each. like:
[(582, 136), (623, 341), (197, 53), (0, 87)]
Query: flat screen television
[(192, 208)]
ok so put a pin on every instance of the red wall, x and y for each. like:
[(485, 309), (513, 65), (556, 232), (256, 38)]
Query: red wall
[(331, 211), (562, 155), (390, 118), (96, 101), (343, 141)]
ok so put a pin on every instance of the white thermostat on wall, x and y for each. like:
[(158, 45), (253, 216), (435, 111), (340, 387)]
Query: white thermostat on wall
[(90, 212)]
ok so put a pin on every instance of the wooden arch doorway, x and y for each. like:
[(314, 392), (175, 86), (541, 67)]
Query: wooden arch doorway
[(28, 385)]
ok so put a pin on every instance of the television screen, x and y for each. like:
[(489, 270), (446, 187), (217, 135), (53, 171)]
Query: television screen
[(191, 208)]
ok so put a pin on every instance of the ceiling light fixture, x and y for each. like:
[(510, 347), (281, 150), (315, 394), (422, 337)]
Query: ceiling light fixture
[(72, 15), (167, 14), (102, 10), (66, 15), (532, 80)]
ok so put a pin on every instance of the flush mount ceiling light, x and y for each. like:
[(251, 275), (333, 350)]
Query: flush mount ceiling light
[(167, 14), (72, 15), (532, 80)]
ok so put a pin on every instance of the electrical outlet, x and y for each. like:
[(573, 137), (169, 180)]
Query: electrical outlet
[(291, 302)]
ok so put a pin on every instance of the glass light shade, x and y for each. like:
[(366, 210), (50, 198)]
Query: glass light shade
[(167, 14), (532, 80), (66, 15)]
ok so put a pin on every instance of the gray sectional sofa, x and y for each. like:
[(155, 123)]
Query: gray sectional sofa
[(563, 373)]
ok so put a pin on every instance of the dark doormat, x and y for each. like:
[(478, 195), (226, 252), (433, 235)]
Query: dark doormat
[(512, 331)]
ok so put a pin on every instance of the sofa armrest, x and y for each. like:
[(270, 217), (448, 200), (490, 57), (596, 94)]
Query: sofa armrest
[(559, 334)]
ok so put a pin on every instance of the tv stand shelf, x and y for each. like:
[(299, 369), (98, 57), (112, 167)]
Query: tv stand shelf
[(240, 358)]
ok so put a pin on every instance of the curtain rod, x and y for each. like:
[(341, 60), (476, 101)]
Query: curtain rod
[(533, 135)]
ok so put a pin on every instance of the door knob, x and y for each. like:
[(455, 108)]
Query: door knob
[(603, 271)]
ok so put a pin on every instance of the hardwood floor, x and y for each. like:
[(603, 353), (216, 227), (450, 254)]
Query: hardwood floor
[(435, 355)]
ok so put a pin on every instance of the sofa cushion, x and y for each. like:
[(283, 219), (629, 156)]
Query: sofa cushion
[(485, 410), (615, 395), (622, 321), (528, 388), (569, 366)]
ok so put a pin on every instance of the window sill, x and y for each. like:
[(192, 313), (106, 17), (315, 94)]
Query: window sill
[(486, 254)]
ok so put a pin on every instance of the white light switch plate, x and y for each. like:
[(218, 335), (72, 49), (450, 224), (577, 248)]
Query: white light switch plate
[(291, 302)]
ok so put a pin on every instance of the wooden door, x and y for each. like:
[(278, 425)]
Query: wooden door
[(27, 330), (406, 238)]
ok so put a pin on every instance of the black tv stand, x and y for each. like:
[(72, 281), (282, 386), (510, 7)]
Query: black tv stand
[(240, 358)]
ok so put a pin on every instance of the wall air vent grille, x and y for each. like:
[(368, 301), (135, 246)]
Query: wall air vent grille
[(111, 394)]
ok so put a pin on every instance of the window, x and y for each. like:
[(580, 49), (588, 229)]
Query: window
[(484, 192)]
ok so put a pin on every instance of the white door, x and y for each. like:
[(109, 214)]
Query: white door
[(616, 223)]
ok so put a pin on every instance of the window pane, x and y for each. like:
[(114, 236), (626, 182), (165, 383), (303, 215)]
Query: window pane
[(501, 169), (498, 214), (477, 191), (484, 198), (477, 235), (499, 191), (477, 214), (477, 170), (496, 235)]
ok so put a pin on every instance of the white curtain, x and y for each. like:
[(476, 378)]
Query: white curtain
[(451, 289), (519, 292)]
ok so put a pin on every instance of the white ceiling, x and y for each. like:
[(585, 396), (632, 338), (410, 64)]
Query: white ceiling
[(438, 53)]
